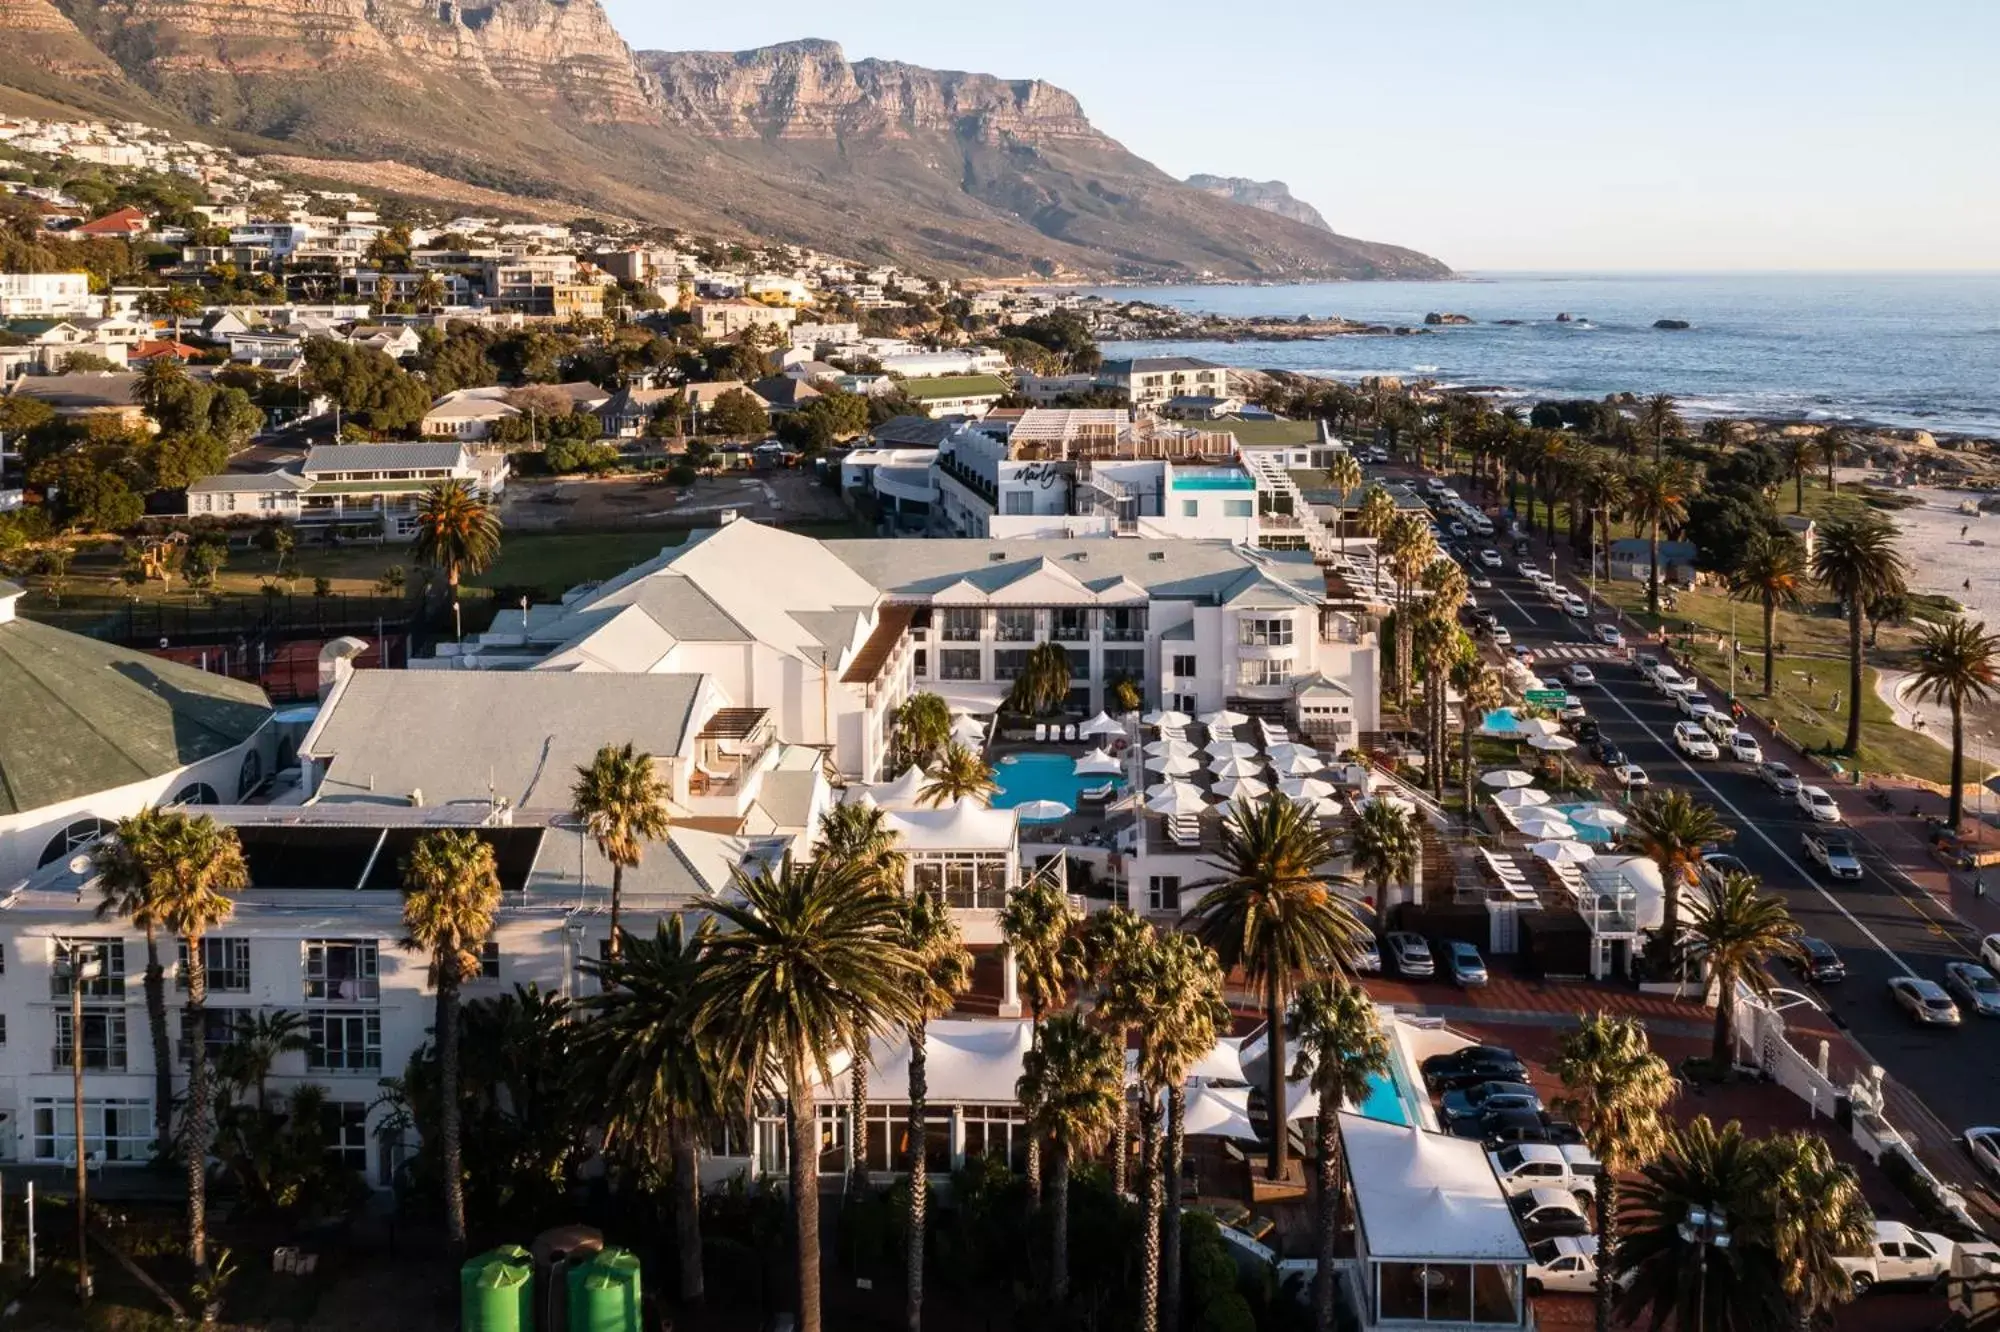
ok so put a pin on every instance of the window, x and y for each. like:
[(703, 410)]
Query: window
[(961, 625), (965, 879), (1125, 624), (489, 960), (227, 962), (1008, 663), (346, 1124), (341, 969), (343, 1041), (1190, 508), (196, 793), (958, 664), (996, 1130), (109, 983), (922, 668), (1163, 892), (1184, 667), (73, 839), (1263, 672), (1264, 633), (3, 1029), (1127, 662), (887, 1139), (1070, 624), (1018, 502), (1014, 626), (220, 1027), (103, 1040), (1237, 508), (121, 1128)]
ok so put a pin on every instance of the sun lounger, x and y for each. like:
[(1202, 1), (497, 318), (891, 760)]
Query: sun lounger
[(1041, 731), (1098, 793), (1069, 732), (1184, 830)]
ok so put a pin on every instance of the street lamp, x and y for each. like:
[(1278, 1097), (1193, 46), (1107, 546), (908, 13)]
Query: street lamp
[(1707, 1227), (78, 967)]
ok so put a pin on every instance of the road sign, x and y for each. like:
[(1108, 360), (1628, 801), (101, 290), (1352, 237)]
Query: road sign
[(1546, 698)]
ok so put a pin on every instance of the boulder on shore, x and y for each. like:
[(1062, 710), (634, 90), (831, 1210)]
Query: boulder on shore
[(1671, 323), (1437, 317)]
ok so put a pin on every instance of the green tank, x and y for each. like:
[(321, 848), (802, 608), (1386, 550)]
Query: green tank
[(604, 1293), (497, 1291)]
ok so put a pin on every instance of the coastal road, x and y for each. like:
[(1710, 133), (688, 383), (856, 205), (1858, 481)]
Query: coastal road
[(1882, 925)]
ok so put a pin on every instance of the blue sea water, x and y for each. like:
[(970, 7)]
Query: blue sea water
[(1911, 350)]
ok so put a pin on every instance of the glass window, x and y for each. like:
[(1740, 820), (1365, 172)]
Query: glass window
[(346, 1125), (1163, 892), (1264, 632), (1018, 502), (1128, 662), (489, 960), (1014, 626), (109, 983), (961, 625), (119, 1127), (77, 837), (958, 664), (1190, 508), (103, 1040), (196, 793), (1183, 665), (226, 960), (1237, 508), (1008, 663), (343, 1041), (219, 1030), (1070, 624), (922, 666), (1125, 624), (1263, 672), (342, 970)]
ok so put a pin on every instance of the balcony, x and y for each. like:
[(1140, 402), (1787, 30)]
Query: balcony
[(729, 750)]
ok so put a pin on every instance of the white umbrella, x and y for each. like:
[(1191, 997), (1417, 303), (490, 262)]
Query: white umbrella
[(1552, 744), (1101, 724), (1295, 765), (1287, 749), (1167, 718), (1563, 852), (1506, 778), (1218, 1112), (1097, 763), (1224, 1063), (1230, 749), (1041, 811), (1536, 726), (1170, 749), (1236, 767), (1223, 718), (1598, 816), (1305, 788), (1182, 799), (1542, 824), (966, 728), (1240, 788), (1174, 765), (1520, 797)]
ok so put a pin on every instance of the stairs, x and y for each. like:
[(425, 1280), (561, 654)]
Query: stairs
[(1273, 478)]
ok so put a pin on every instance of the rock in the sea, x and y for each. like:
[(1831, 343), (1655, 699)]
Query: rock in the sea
[(1510, 323), (1436, 317), (1671, 323), (1565, 318)]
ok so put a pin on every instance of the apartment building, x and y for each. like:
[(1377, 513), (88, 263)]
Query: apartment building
[(1152, 381), (47, 296), (363, 489), (728, 318)]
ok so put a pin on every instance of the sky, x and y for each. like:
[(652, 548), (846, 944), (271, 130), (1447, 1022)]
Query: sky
[(1543, 135)]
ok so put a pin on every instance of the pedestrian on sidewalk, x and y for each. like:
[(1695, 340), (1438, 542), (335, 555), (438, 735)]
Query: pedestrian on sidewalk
[(1979, 884)]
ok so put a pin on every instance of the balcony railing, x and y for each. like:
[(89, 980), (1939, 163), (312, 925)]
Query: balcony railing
[(103, 1061)]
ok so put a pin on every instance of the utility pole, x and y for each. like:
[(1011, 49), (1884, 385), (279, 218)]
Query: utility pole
[(79, 968)]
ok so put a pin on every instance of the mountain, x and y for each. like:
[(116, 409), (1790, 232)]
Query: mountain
[(543, 100), (1273, 196)]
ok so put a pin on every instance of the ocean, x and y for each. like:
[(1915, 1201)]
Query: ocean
[(1907, 350)]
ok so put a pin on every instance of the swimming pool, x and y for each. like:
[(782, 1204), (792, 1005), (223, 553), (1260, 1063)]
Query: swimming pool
[(1500, 721), (1584, 832), (1383, 1102), (1219, 478), (1024, 777)]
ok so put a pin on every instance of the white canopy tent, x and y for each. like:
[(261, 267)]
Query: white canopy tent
[(1170, 749), (1173, 765), (1097, 763), (1218, 1112), (1240, 788), (1102, 724), (1166, 718), (965, 826), (1224, 718), (900, 793), (1520, 797), (968, 1061), (1503, 779)]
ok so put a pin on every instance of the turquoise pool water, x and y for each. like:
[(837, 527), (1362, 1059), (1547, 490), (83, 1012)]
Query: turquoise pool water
[(1500, 721), (1384, 1102), (1024, 777), (1584, 832), (1216, 480)]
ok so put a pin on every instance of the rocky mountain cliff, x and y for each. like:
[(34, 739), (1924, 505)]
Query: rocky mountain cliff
[(1273, 196), (544, 100)]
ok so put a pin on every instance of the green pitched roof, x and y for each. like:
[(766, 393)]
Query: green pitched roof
[(1257, 431), (955, 386), (84, 716)]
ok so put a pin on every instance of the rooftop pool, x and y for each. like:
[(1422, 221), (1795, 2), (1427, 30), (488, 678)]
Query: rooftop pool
[(1216, 478), (1384, 1102), (1584, 831), (1020, 778)]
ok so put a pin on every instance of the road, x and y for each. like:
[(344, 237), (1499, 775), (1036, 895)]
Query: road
[(1882, 925)]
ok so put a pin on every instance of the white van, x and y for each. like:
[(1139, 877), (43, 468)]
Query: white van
[(1670, 681)]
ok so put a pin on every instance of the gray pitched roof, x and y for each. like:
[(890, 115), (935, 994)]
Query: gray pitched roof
[(83, 716), (381, 457), (916, 432), (83, 392), (1152, 365), (282, 479), (1213, 571)]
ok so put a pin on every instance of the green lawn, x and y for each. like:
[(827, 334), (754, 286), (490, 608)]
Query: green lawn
[(1799, 633)]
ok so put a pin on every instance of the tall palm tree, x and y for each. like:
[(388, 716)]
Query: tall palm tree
[(1479, 692), (932, 936), (262, 1039), (1615, 1089), (202, 868), (1341, 1048), (1678, 1281), (960, 774), (1672, 828), (1812, 1214), (622, 803), (860, 836), (1798, 453), (807, 955), (1188, 1015), (1956, 665), (1436, 641), (1656, 497), (1343, 475), (1407, 548), (1770, 572), (1387, 848), (1268, 911), (1376, 511), (1737, 929), (1072, 1084), (923, 727), (1857, 559), (660, 1085), (1660, 418), (458, 533), (1830, 443), (128, 865), (1042, 687), (451, 888), (1048, 957), (1117, 945)]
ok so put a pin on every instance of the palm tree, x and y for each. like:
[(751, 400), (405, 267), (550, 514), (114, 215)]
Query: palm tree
[(1812, 1215), (1407, 548), (1659, 418), (128, 865), (261, 1040), (1737, 928), (1072, 1084), (1797, 453), (202, 867), (1341, 1048), (659, 1084), (932, 936), (1672, 828), (1656, 497), (1343, 474), (1268, 912), (859, 836), (1048, 956), (1042, 687), (1387, 848), (1677, 1280), (451, 888), (1117, 948), (1771, 572), (807, 956), (1956, 666), (1436, 642), (1615, 1089), (959, 775), (923, 727), (457, 532), (622, 803), (430, 292), (1830, 443), (1376, 511), (1479, 692), (1857, 559)]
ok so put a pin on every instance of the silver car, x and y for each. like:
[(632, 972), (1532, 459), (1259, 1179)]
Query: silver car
[(1924, 1001), (1974, 986), (1779, 778)]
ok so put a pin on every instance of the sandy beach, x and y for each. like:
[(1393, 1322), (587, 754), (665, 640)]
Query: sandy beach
[(1943, 561)]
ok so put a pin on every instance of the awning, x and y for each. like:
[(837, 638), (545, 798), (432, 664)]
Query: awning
[(1427, 1197)]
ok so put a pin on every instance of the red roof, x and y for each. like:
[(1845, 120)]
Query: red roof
[(124, 222), (147, 350)]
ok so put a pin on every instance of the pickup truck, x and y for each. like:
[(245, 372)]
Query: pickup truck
[(1534, 1165), (1899, 1255), (1833, 853)]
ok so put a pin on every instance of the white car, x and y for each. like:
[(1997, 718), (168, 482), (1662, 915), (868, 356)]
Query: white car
[(1818, 804), (1668, 680), (1523, 1166), (1694, 742), (1989, 953), (1479, 580), (1412, 954), (1743, 747), (1576, 608), (1693, 704), (1718, 726), (1565, 1263), (1984, 1144), (1501, 638), (1457, 529), (1631, 776), (1608, 635), (1490, 558), (1531, 571), (1899, 1254), (1580, 674)]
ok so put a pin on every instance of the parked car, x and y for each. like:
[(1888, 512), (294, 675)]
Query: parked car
[(1501, 638), (1548, 1213), (1474, 1101), (1819, 962), (1631, 776), (1543, 1166), (1478, 580), (1572, 711), (1563, 1263), (1924, 1000), (1693, 705), (1490, 558), (1779, 778), (1984, 1144), (1719, 727), (1975, 987), (1834, 853), (1463, 962), (1507, 1128), (1818, 804), (1412, 954), (1580, 674), (1368, 957), (1470, 1065), (1646, 663), (1529, 570), (1692, 741), (1743, 747), (1608, 635), (1576, 608), (1899, 1255), (1989, 952), (1457, 530), (1585, 731)]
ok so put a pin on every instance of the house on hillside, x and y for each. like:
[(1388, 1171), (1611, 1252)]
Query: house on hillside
[(956, 395), (94, 394)]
